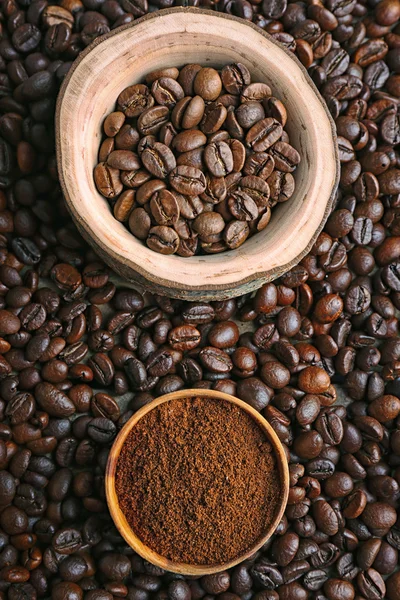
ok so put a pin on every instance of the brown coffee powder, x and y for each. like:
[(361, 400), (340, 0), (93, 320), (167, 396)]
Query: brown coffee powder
[(197, 481)]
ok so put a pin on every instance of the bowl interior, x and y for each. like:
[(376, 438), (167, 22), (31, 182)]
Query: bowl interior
[(119, 518), (177, 39)]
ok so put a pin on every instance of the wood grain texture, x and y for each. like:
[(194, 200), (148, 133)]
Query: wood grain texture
[(119, 518), (176, 37)]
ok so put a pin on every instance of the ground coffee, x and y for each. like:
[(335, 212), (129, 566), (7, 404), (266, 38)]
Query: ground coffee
[(197, 481)]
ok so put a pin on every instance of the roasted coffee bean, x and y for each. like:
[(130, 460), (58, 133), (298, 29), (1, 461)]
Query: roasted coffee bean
[(53, 401), (215, 360), (236, 233), (286, 158), (189, 140), (166, 91), (264, 134), (371, 584), (134, 100), (235, 77), (208, 223), (188, 180), (108, 180), (218, 159), (188, 112), (207, 84), (281, 186), (249, 113), (215, 190), (184, 337), (124, 160), (213, 119), (163, 239), (260, 164), (126, 139), (159, 160), (152, 119), (164, 208), (189, 206), (242, 206)]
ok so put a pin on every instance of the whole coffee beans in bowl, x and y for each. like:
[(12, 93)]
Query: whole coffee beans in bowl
[(195, 154), (197, 481), (193, 160)]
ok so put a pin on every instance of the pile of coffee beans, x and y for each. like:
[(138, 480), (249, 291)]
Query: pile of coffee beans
[(318, 351), (193, 160)]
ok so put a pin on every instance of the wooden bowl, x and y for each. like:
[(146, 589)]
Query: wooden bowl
[(119, 518), (176, 37)]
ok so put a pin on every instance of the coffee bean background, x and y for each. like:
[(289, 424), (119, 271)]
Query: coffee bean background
[(318, 352)]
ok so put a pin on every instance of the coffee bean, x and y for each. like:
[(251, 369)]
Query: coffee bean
[(159, 160), (184, 337), (264, 134), (163, 239), (235, 77), (189, 206), (213, 119), (236, 233), (53, 401), (152, 119), (286, 158), (371, 584), (134, 100), (187, 180), (215, 190), (242, 206), (127, 137), (124, 160), (107, 180), (188, 112), (335, 63), (113, 123), (207, 224), (260, 164), (187, 76), (124, 205), (215, 360), (26, 250), (101, 430), (207, 84), (164, 208), (249, 113), (314, 380), (166, 91), (218, 159), (281, 186), (189, 140), (102, 368)]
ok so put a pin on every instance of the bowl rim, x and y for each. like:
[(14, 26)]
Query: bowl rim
[(146, 275), (119, 518)]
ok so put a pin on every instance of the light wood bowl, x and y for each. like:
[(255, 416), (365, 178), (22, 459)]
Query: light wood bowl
[(119, 518), (175, 37)]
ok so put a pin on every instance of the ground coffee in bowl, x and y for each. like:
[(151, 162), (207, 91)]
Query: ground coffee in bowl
[(197, 480)]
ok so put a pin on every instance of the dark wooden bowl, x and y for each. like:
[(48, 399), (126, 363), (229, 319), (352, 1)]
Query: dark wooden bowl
[(119, 518), (175, 37)]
